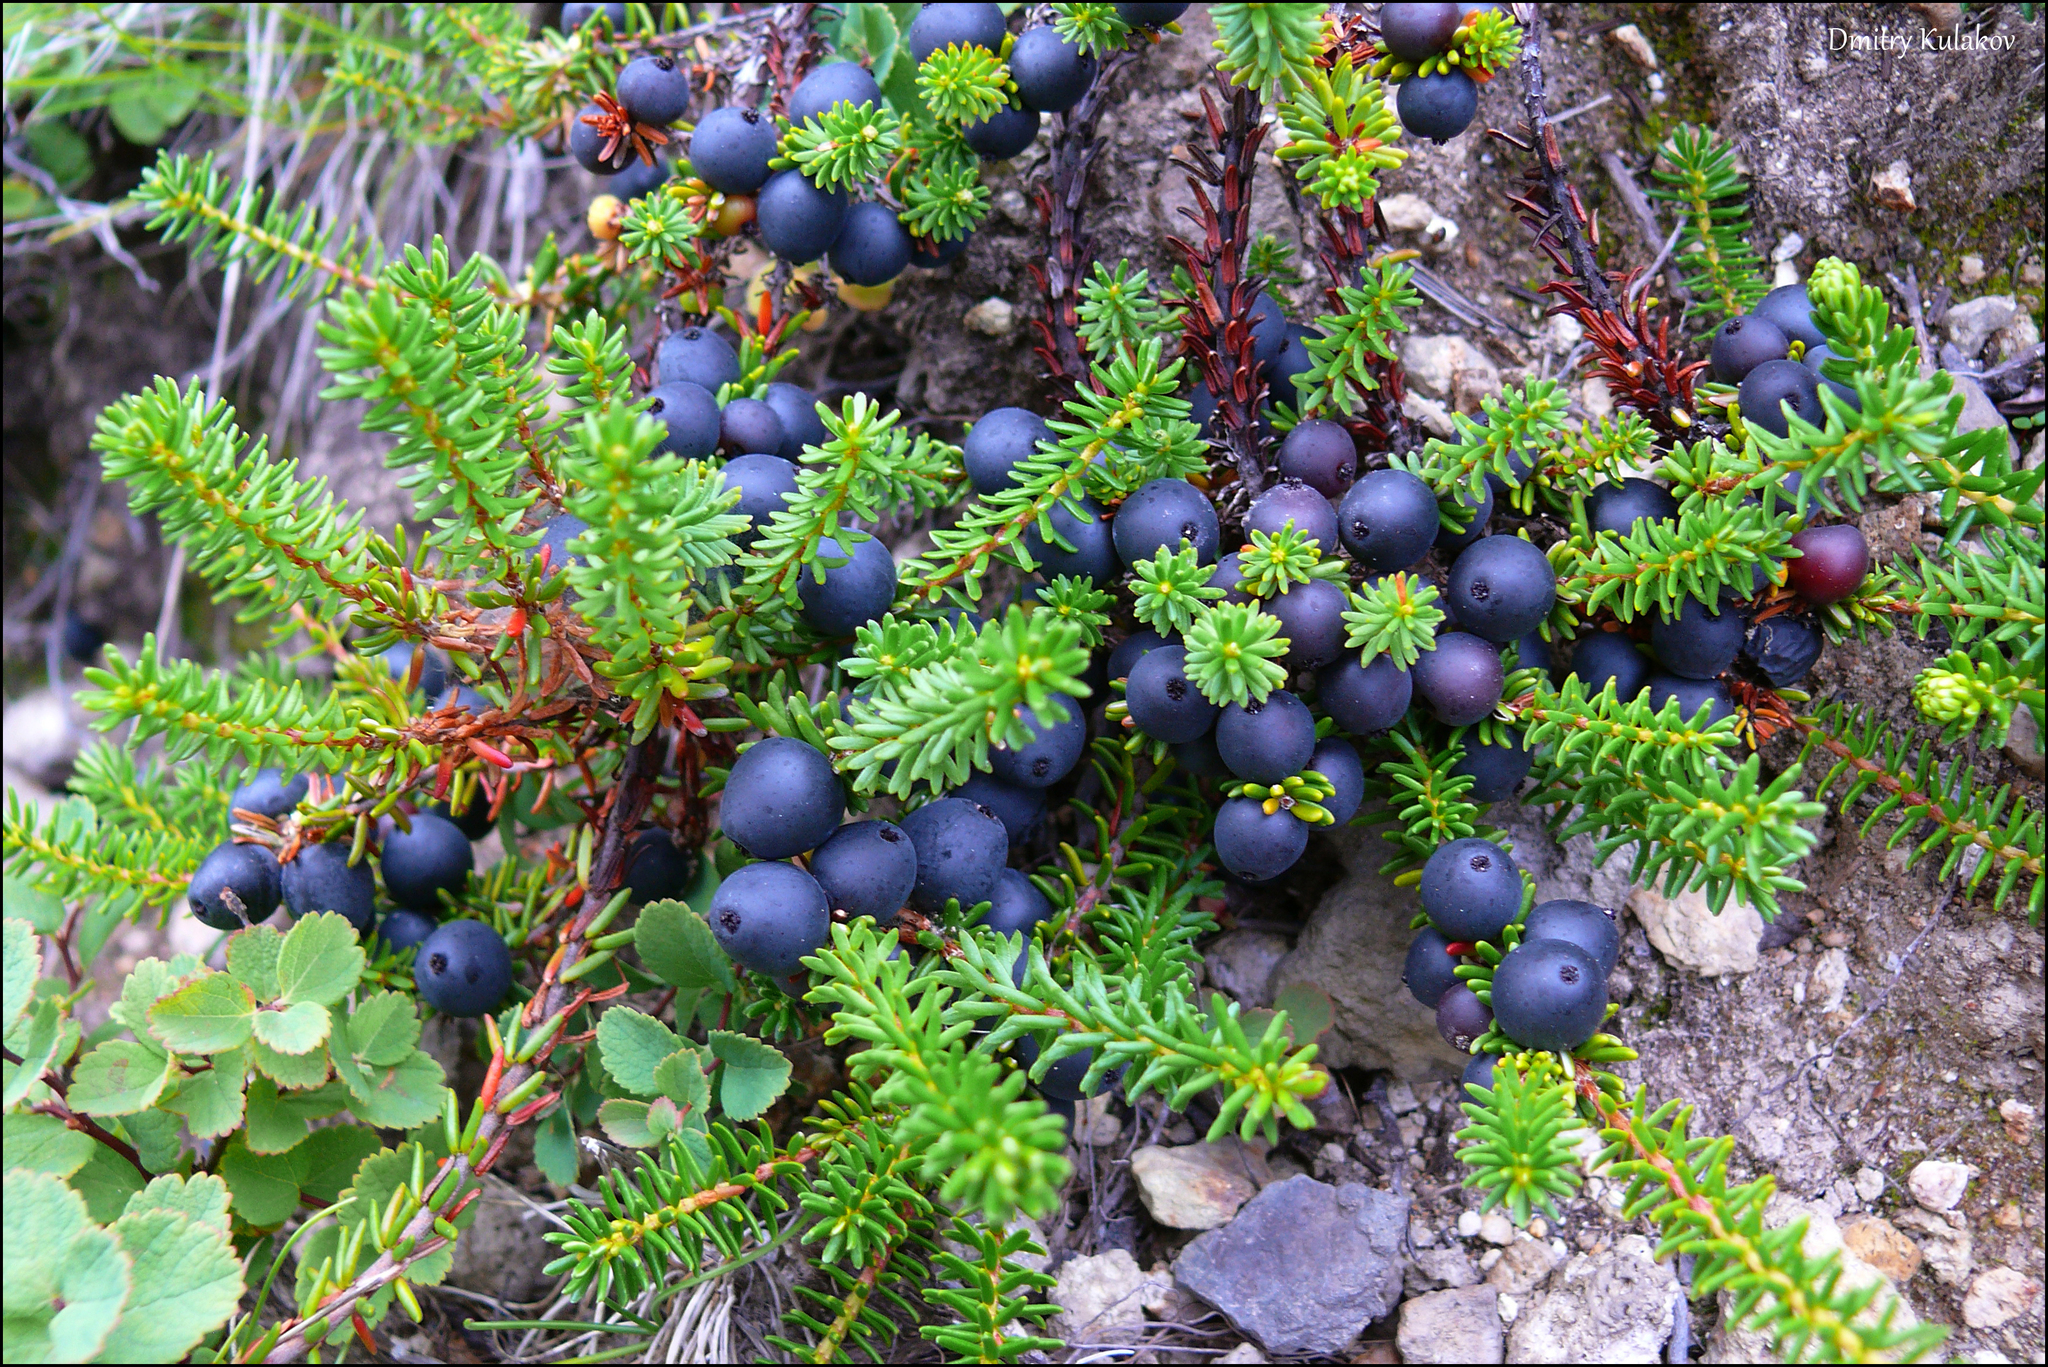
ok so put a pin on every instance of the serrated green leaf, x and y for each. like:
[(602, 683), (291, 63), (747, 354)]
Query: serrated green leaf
[(47, 1041), (298, 1029), (205, 1016), (554, 1147), (21, 959), (211, 1099), (753, 1074), (158, 1137), (384, 1029), (289, 1071), (119, 1078), (106, 1182), (319, 961), (330, 1158), (398, 1097), (187, 1282), (676, 946), (1308, 1010), (632, 1043), (42, 1143), (263, 1188), (278, 1120), (148, 982), (202, 1198), (252, 959), (44, 913), (680, 1078), (626, 1122), (64, 1279)]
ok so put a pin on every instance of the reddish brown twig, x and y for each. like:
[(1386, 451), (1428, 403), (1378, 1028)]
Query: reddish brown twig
[(1069, 251)]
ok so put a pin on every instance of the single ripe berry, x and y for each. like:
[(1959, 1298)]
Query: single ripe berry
[(1775, 386), (1586, 925), (731, 148), (1479, 1072), (749, 427), (1699, 642), (1336, 759), (474, 820), (1311, 617), (1471, 890), (1531, 652), (1320, 454), (1496, 770), (867, 868), (1618, 505), (1365, 699), (1134, 648), (1150, 16), (234, 886), (403, 928), (1608, 655), (587, 144), (801, 425), (930, 253), (961, 849), (1691, 695), (829, 85), (655, 89), (1063, 1081), (638, 179), (1783, 649), (1227, 575), (769, 916), (765, 483), (799, 221), (1093, 554), (1815, 359), (269, 793), (781, 798), (839, 597), (1019, 809), (1002, 438), (433, 675), (1472, 514), (319, 878), (1199, 757), (1460, 680), (1052, 74), (1166, 513), (1016, 905), (1256, 845), (874, 246), (697, 356), (1050, 755), (1430, 970), (690, 415), (1832, 563), (1269, 332), (1388, 521), (1292, 501), (1265, 742), (657, 868), (1789, 307), (463, 969), (1742, 344), (577, 13), (1549, 994), (1163, 701), (961, 25), (1413, 32), (1438, 106), (1003, 134), (1501, 587), (420, 864), (1461, 1018), (1288, 380)]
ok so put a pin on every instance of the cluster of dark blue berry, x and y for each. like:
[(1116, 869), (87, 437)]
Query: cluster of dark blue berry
[(1441, 104)]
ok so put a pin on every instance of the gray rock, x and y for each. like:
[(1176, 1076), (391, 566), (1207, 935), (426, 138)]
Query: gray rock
[(1524, 1265), (1451, 1326), (1439, 1267), (43, 733), (1998, 1295), (1434, 362), (1242, 963), (1939, 1185), (2023, 743), (1305, 1266), (1970, 325), (1617, 1306), (1947, 1246), (1691, 935), (1101, 1295)]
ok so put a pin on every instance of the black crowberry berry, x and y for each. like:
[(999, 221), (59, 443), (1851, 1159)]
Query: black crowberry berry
[(1773, 387), (1608, 655), (1698, 642), (555, 535), (1293, 501), (1832, 563), (1150, 16), (1311, 617), (837, 599), (765, 483), (799, 221), (1019, 809), (1413, 32), (1814, 359), (731, 148), (586, 144), (403, 928), (1200, 758), (637, 179), (1003, 437), (1163, 701), (1288, 379), (929, 253), (1093, 556), (1617, 505), (1168, 513), (1789, 307), (961, 849), (1430, 970), (657, 867), (463, 969), (474, 820), (1783, 649), (1496, 770), (697, 356), (319, 878), (1450, 543), (1461, 1017), (1265, 742), (1479, 1072), (655, 89), (1500, 587), (874, 246), (1742, 344), (1254, 845), (1003, 134), (867, 868), (801, 425), (1549, 994), (1460, 680), (691, 416), (1052, 752), (1471, 890), (830, 85), (1365, 699), (1063, 1080), (1691, 695), (1586, 925), (1134, 648), (268, 792), (1388, 521), (1336, 759), (1320, 454), (1438, 106), (432, 858), (1052, 74), (749, 427), (781, 798), (1227, 575), (962, 25), (769, 916), (1269, 332), (1531, 652), (577, 13), (234, 886), (1016, 905)]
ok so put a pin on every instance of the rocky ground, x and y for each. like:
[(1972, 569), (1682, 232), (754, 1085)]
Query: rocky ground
[(1878, 1051)]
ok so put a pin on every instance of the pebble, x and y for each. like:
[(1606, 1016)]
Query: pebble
[(1193, 1186), (1242, 961), (1616, 1306), (1524, 1265), (1468, 1225), (1946, 1244), (992, 317), (1687, 933), (1508, 1307), (1401, 1099), (1496, 1228), (1879, 1243), (1095, 1124), (2018, 1117), (1999, 1294), (1244, 1352), (1939, 1185), (1100, 1294), (1407, 213), (1970, 270), (1893, 187), (1459, 1325), (1970, 324), (1630, 40)]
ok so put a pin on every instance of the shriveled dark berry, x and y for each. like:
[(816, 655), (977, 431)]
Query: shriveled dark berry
[(1164, 702), (1165, 513), (1430, 970), (1832, 564), (1311, 617), (1052, 74), (768, 917), (1294, 502), (1775, 386), (1052, 753), (1002, 438), (1256, 845), (829, 85), (1461, 1018), (730, 150), (1783, 649), (1742, 344), (234, 886), (1500, 587), (1364, 699), (1589, 926), (1438, 106), (1388, 521), (432, 858), (1265, 742), (841, 597), (1496, 770), (689, 414), (867, 868), (781, 798), (464, 969), (1320, 454), (319, 878), (1471, 890), (1460, 680), (1549, 994), (961, 849), (1336, 759), (1093, 556), (1698, 641), (657, 868), (749, 427), (1618, 505)]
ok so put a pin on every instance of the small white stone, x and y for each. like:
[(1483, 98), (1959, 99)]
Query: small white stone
[(1439, 234), (1870, 1183), (1489, 1258), (1630, 39), (1783, 274), (1407, 213), (1937, 1185), (1401, 1098), (1893, 187), (993, 317), (1789, 246), (1596, 398), (1970, 270), (1999, 1294), (1496, 1228), (1509, 1308), (1468, 1225)]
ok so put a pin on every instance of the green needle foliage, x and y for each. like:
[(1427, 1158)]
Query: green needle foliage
[(1695, 170)]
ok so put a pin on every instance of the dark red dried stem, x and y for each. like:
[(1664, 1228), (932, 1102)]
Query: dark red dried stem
[(1069, 251)]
